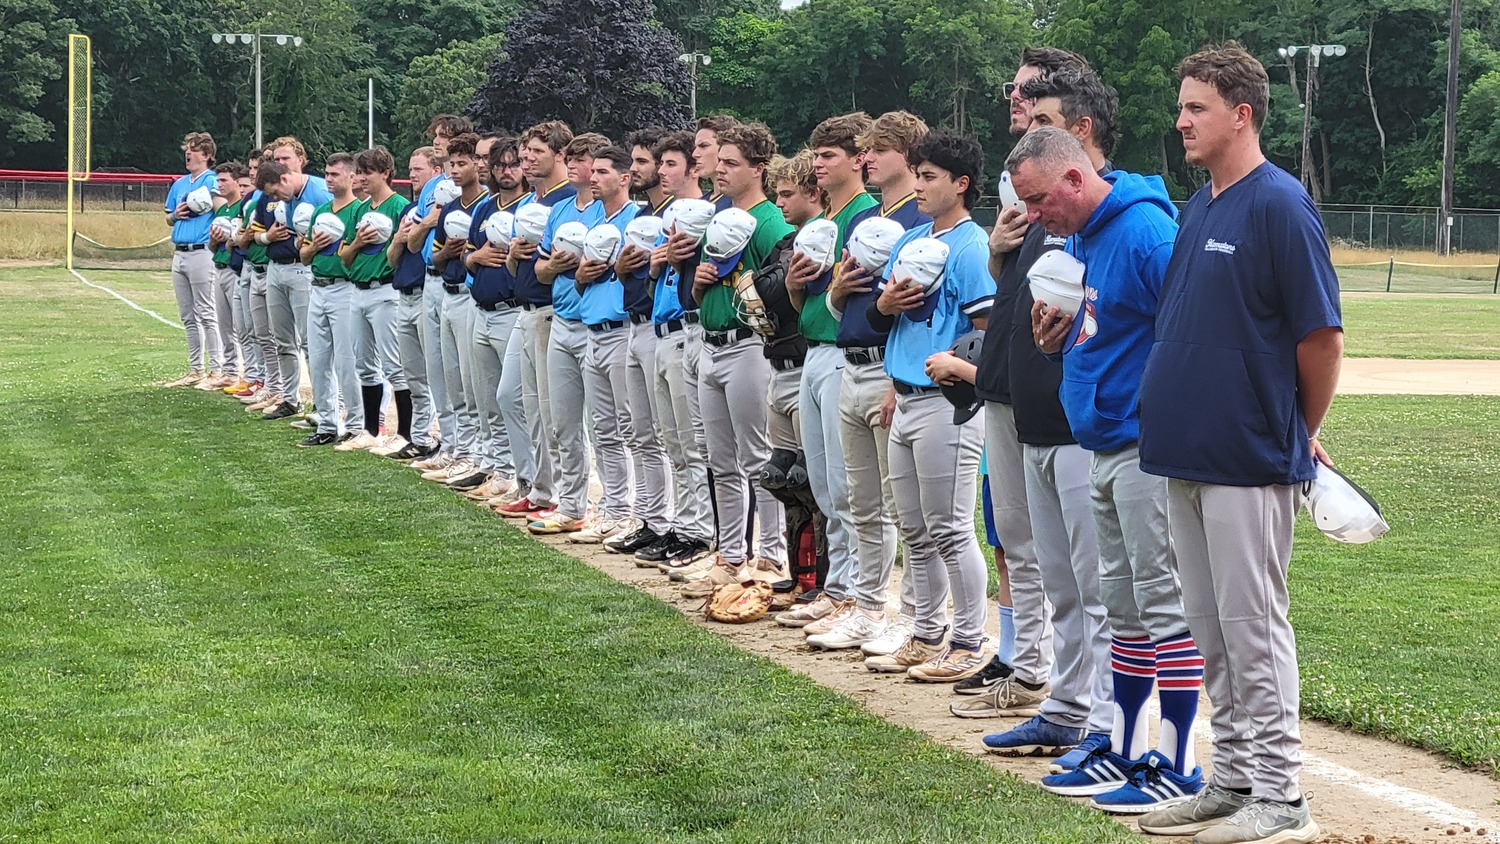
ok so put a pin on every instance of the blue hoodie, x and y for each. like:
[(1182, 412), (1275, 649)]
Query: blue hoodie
[(1126, 245)]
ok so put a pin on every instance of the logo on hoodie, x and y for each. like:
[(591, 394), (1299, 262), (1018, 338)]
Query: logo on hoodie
[(1219, 246)]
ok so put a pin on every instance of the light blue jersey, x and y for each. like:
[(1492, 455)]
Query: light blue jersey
[(195, 228), (604, 300), (566, 301), (967, 290)]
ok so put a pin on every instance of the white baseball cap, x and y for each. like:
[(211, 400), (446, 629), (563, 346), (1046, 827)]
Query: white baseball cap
[(569, 238), (531, 222), (220, 226), (332, 225), (871, 242), (446, 192), (817, 240), (199, 200), (383, 227), (1056, 278), (644, 231), (302, 218), (456, 225), (728, 234), (1008, 196), (1343, 511), (279, 213), (923, 260), (500, 227), (602, 243), (691, 216)]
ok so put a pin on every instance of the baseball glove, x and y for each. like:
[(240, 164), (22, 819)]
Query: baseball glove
[(739, 603)]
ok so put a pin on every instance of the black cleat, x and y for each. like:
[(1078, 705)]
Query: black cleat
[(993, 672), (317, 438), (642, 538), (471, 481), (285, 410)]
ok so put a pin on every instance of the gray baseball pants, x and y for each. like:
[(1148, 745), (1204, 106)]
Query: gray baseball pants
[(607, 390), (244, 329), (431, 334), (287, 290), (934, 476), (872, 504), (732, 384), (195, 284), (265, 340), (493, 331), (566, 354), (1012, 517), (1137, 568), (331, 336), (376, 353), (648, 458), (511, 402), (535, 327), (818, 409), (1233, 547), (1067, 550), (692, 512), (410, 314), (456, 344), (783, 422), (226, 286)]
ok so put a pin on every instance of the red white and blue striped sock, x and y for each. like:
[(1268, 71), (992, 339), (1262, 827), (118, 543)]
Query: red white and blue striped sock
[(1133, 663), (1179, 676)]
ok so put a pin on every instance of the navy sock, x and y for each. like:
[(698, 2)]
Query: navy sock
[(370, 396)]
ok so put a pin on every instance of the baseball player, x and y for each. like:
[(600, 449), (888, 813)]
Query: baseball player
[(706, 154), (420, 238), (228, 263), (541, 150), (1123, 227), (644, 181), (838, 164), (288, 280), (254, 374), (933, 463), (409, 281), (376, 356), (867, 400), (496, 313), (1249, 314), (795, 185), (330, 311), (192, 259), (734, 372), (262, 216), (692, 523), (456, 327), (567, 353)]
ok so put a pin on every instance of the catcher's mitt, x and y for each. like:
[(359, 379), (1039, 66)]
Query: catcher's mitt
[(739, 603)]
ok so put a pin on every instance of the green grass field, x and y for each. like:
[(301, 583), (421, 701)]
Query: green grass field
[(1422, 327), (213, 636)]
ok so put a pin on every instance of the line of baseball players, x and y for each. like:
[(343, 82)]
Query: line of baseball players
[(1150, 387)]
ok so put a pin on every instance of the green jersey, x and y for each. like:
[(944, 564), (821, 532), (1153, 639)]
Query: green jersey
[(718, 311), (221, 254), (371, 264), (255, 253), (331, 265), (816, 322)]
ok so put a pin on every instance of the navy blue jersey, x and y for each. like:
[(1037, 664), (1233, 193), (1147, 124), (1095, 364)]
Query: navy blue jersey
[(855, 330), (529, 289)]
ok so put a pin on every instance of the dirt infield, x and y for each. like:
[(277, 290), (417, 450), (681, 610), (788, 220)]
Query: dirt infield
[(1392, 376), (1362, 790)]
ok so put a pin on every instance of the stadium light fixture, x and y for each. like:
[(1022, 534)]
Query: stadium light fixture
[(254, 39), (1314, 53), (693, 60)]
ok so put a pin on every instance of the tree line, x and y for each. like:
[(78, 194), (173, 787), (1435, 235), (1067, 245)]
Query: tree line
[(1376, 127)]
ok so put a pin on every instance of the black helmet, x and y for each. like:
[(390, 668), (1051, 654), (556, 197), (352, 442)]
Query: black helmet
[(961, 394)]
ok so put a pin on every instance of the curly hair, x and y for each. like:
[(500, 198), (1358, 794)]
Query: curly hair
[(957, 154), (754, 141)]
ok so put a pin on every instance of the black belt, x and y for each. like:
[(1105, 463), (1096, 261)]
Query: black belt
[(527, 306), (869, 354), (724, 338), (410, 291), (189, 247), (671, 326), (607, 325), (784, 364), (433, 273), (503, 303), (905, 389), (326, 280), (260, 268), (283, 263), (691, 317), (368, 285), (453, 288), (639, 319)]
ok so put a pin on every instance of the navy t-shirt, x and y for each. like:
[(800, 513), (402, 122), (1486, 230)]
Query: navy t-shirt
[(491, 285), (1250, 278), (411, 270), (855, 330), (454, 272)]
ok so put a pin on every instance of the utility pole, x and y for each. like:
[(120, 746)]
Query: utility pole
[(1314, 53), (1450, 129), (693, 59), (254, 39)]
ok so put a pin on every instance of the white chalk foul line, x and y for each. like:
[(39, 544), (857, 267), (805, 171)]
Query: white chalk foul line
[(153, 314)]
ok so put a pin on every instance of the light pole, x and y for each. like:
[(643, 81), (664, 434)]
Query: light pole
[(693, 59), (254, 39), (1450, 127), (1314, 53)]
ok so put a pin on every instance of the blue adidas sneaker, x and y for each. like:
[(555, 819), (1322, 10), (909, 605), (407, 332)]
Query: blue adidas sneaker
[(1036, 737), (1073, 758), (1153, 785), (1101, 771)]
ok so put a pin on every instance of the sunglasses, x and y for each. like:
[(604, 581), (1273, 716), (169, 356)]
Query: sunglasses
[(1009, 89)]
